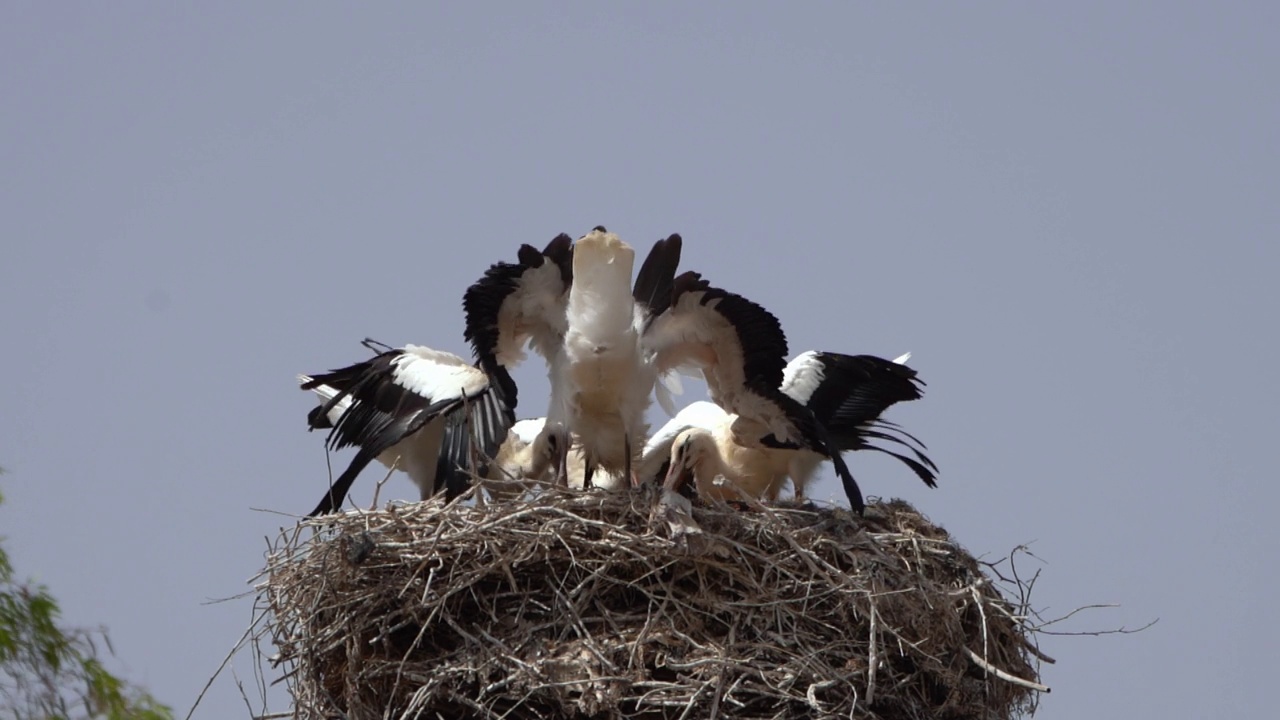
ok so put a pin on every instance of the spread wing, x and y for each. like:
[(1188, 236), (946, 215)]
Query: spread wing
[(519, 303), (849, 393), (738, 346), (381, 401)]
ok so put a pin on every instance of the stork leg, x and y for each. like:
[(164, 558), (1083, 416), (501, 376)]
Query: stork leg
[(588, 471), (627, 472), (562, 461)]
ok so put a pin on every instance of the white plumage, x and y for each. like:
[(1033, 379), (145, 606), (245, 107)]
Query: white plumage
[(601, 390), (606, 343), (575, 305), (699, 444), (435, 374)]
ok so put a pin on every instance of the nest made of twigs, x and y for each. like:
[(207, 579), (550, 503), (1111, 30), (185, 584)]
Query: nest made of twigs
[(592, 605)]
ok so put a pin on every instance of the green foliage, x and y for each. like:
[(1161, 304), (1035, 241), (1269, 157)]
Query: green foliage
[(49, 672)]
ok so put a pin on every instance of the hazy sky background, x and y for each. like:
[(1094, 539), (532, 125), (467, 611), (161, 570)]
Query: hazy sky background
[(1068, 214)]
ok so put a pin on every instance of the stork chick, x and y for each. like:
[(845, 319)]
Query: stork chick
[(527, 455)]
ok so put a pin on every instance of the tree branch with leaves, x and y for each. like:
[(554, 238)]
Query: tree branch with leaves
[(51, 672)]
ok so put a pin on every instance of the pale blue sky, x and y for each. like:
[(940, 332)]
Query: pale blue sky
[(1068, 214)]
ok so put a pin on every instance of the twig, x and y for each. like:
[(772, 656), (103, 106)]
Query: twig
[(1004, 675), (873, 655), (223, 664)]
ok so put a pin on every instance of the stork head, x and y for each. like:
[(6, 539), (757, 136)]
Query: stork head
[(550, 450), (602, 248), (690, 449)]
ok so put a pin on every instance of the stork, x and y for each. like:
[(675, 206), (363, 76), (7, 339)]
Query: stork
[(740, 349), (846, 395), (602, 388), (526, 457), (616, 343), (514, 304), (587, 322), (699, 444), (413, 408)]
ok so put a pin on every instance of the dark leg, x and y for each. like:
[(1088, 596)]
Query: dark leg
[(626, 470), (562, 460)]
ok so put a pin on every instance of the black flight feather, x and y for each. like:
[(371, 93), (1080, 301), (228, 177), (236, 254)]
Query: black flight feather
[(760, 335), (855, 390), (560, 252), (655, 282), (373, 432)]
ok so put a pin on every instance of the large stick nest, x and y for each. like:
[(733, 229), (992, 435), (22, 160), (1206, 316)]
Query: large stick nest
[(590, 605)]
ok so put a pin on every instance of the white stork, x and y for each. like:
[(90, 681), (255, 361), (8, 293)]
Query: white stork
[(846, 395), (602, 389), (514, 304), (741, 350), (413, 408), (526, 458), (699, 443), (587, 322)]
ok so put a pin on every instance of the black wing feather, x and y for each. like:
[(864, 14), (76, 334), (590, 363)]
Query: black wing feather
[(655, 283), (760, 335), (815, 436), (854, 392), (317, 419), (374, 432), (857, 389), (454, 459), (481, 304), (376, 400), (482, 426), (560, 252)]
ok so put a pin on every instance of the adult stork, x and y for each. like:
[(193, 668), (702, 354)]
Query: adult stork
[(421, 410), (586, 320), (846, 394)]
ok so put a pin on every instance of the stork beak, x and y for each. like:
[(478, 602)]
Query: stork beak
[(677, 476)]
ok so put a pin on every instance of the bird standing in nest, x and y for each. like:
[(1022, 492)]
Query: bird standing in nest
[(846, 395)]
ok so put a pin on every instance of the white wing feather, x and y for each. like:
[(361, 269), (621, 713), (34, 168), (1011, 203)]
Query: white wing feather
[(437, 375)]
